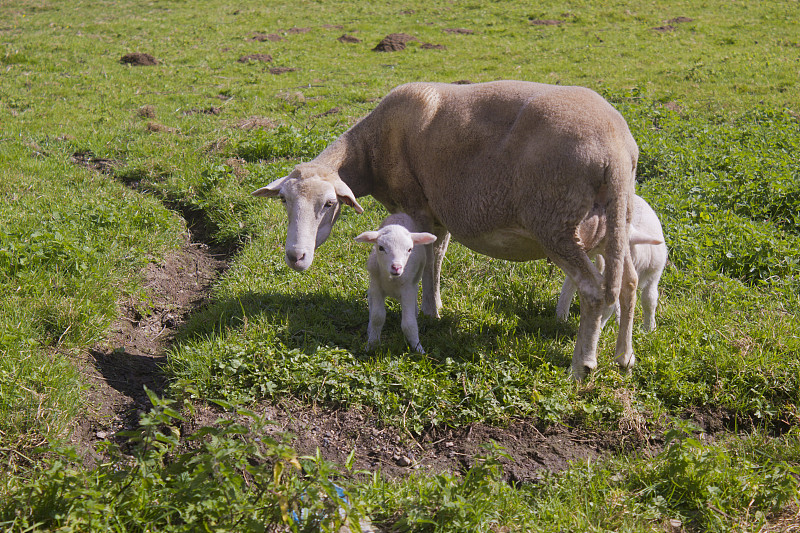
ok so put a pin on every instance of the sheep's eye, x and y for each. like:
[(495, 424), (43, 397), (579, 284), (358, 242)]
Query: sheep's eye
[(381, 248), (409, 250), (282, 199), (328, 204)]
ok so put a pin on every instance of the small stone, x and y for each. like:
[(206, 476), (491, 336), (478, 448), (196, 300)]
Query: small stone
[(404, 461), (101, 434)]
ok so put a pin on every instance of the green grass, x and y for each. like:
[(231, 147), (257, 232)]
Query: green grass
[(712, 103)]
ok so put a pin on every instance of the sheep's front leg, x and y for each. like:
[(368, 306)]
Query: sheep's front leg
[(408, 321), (434, 255), (377, 316)]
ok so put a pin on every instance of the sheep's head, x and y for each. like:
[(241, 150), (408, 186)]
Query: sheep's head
[(393, 246), (313, 195)]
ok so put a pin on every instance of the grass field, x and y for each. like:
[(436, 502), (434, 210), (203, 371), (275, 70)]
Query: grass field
[(104, 164)]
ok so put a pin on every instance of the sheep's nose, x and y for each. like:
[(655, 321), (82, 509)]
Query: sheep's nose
[(396, 270), (292, 256)]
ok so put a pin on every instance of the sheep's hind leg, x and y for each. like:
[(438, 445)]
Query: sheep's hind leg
[(625, 357), (434, 255), (577, 265)]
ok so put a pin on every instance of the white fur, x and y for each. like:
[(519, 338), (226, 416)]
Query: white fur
[(649, 254), (395, 267)]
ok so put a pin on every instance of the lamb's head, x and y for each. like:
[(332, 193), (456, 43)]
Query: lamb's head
[(393, 246), (313, 195)]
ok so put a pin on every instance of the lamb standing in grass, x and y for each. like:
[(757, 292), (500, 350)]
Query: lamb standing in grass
[(395, 267), (649, 254)]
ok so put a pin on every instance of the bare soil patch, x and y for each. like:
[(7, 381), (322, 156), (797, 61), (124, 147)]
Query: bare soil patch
[(336, 433), (118, 370), (87, 158), (138, 59), (460, 31), (265, 58)]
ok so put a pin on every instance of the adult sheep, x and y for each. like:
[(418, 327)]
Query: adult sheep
[(510, 169)]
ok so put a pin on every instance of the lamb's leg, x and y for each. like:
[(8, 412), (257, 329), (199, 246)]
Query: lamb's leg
[(408, 321), (568, 290), (609, 309), (377, 316), (649, 287), (434, 255), (627, 302)]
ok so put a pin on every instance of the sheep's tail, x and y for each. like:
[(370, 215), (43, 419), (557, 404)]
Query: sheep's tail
[(620, 178)]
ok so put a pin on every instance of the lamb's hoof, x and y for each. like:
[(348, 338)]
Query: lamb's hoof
[(419, 349)]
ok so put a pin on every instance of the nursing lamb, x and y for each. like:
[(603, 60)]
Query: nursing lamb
[(509, 168), (649, 255), (395, 268)]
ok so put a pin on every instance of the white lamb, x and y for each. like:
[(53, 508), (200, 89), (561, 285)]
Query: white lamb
[(649, 255), (395, 267)]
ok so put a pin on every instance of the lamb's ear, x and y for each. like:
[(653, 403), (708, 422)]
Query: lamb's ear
[(368, 236), (272, 189), (423, 238), (640, 237), (346, 196)]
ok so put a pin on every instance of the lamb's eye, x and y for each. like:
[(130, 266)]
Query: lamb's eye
[(381, 248), (328, 204), (282, 199), (409, 250)]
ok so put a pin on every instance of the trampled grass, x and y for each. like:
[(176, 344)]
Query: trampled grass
[(710, 91)]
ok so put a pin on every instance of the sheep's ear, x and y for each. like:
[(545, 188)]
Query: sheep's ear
[(346, 196), (272, 189), (423, 238), (640, 237), (368, 236)]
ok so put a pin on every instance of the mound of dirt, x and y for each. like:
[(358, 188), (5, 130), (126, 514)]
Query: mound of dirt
[(545, 22), (460, 31), (348, 39), (394, 42), (146, 111), (429, 46), (282, 70), (678, 20), (665, 29), (266, 58), (138, 59), (261, 37), (212, 110)]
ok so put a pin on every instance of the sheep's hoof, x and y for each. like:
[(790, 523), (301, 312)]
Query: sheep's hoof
[(580, 372), (626, 362), (419, 349)]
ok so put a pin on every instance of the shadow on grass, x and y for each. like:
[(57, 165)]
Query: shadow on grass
[(317, 319)]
